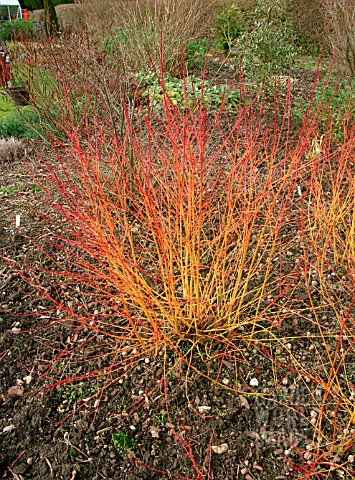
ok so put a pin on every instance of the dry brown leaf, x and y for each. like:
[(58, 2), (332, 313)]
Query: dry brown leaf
[(16, 390), (244, 402)]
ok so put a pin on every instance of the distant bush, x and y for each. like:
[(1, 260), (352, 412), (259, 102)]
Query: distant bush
[(38, 4), (16, 29), (307, 21), (269, 47), (339, 24), (229, 27), (10, 149), (146, 30)]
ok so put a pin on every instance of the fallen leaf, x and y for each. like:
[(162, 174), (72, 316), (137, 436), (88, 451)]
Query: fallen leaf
[(16, 390), (244, 402)]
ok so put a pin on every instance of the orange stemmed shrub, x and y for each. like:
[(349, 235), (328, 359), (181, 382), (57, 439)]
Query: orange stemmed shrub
[(328, 245), (179, 228)]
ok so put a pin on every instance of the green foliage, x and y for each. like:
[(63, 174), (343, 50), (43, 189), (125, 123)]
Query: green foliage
[(51, 24), (186, 92), (38, 4), (118, 39), (72, 455), (229, 28), (72, 392), (307, 46), (23, 126), (32, 4), (16, 29), (340, 103), (195, 53), (20, 188), (122, 442), (62, 2), (270, 47)]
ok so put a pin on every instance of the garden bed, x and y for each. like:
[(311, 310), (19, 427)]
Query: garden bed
[(159, 418)]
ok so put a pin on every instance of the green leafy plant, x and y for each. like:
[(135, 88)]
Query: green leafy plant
[(72, 392), (17, 29), (339, 106), (122, 442), (162, 418), (72, 455), (196, 51), (229, 26), (20, 188), (269, 48), (185, 93)]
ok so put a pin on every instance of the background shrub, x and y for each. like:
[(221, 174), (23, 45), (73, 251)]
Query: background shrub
[(10, 149), (307, 21), (339, 24), (229, 26), (136, 30), (16, 29), (38, 4), (270, 47)]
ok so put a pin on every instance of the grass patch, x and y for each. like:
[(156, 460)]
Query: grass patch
[(22, 124)]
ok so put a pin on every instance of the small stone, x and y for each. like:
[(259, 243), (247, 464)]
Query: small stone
[(154, 431), (28, 379), (220, 449), (254, 382), (9, 428), (203, 409), (225, 381)]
